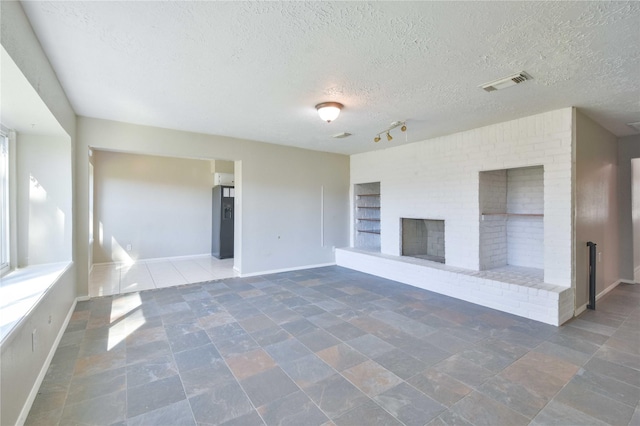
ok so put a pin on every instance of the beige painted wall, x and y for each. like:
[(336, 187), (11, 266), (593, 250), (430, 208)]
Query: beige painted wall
[(219, 166), (628, 149), (20, 366), (596, 217), (159, 205), (278, 189), (44, 199)]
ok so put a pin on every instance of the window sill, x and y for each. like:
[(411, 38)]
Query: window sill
[(22, 289)]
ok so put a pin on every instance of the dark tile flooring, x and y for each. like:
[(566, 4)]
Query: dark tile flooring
[(333, 346)]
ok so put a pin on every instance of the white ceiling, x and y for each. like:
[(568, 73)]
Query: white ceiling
[(256, 70), (21, 108)]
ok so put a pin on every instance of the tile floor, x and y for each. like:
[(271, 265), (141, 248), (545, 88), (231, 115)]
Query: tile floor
[(118, 278), (332, 346)]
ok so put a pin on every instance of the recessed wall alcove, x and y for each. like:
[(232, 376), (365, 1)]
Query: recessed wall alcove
[(512, 220), (367, 216)]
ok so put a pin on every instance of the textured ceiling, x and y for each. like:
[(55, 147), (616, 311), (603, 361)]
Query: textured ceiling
[(21, 107), (256, 70)]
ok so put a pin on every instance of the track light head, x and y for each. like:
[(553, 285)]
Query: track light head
[(387, 131)]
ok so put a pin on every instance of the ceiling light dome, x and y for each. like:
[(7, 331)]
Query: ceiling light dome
[(329, 111)]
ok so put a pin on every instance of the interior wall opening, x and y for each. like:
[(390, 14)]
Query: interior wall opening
[(149, 211), (635, 215)]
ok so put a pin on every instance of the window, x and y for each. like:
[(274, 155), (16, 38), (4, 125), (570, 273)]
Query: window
[(4, 201)]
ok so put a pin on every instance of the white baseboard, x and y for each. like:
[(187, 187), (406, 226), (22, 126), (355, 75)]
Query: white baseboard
[(45, 367), (603, 293), (276, 271), (580, 310), (607, 290), (156, 259)]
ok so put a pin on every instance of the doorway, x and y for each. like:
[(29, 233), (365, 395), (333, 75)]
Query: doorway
[(635, 216)]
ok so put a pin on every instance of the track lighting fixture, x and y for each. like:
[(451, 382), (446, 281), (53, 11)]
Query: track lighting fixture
[(389, 129)]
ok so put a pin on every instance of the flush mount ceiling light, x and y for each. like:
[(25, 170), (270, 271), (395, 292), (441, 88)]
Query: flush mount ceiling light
[(389, 129), (329, 111), (505, 82)]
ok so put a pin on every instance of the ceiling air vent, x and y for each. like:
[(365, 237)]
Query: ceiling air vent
[(635, 125), (341, 135), (505, 82)]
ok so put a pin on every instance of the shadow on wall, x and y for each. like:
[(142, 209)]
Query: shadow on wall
[(47, 230), (109, 244)]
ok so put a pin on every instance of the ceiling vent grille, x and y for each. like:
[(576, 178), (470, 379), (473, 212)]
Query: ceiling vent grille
[(341, 135), (505, 82), (635, 125)]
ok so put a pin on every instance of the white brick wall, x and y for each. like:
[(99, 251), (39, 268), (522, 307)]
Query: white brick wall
[(512, 240), (525, 241), (525, 190), (439, 179), (493, 237), (493, 229), (546, 303)]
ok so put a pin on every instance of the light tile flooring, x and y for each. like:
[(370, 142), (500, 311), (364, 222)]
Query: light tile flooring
[(332, 346), (118, 278)]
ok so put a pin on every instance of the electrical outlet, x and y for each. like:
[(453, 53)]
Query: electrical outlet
[(129, 247), (599, 256)]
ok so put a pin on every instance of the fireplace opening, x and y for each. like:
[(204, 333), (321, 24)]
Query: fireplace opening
[(423, 238)]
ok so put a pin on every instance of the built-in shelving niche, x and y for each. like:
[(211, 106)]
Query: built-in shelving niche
[(367, 216), (512, 219)]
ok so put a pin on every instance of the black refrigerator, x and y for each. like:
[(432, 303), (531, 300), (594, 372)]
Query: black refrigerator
[(222, 221)]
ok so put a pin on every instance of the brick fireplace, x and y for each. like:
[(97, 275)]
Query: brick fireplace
[(423, 238)]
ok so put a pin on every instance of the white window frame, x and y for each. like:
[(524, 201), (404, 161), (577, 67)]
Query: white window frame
[(5, 258)]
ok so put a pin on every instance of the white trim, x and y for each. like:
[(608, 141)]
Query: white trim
[(580, 310), (45, 367), (297, 268), (607, 290), (156, 259), (16, 277), (604, 292), (321, 215)]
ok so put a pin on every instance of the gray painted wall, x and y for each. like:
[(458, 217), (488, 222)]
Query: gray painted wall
[(628, 148), (596, 217)]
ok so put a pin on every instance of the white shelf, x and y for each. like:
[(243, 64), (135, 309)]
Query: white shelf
[(367, 216)]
